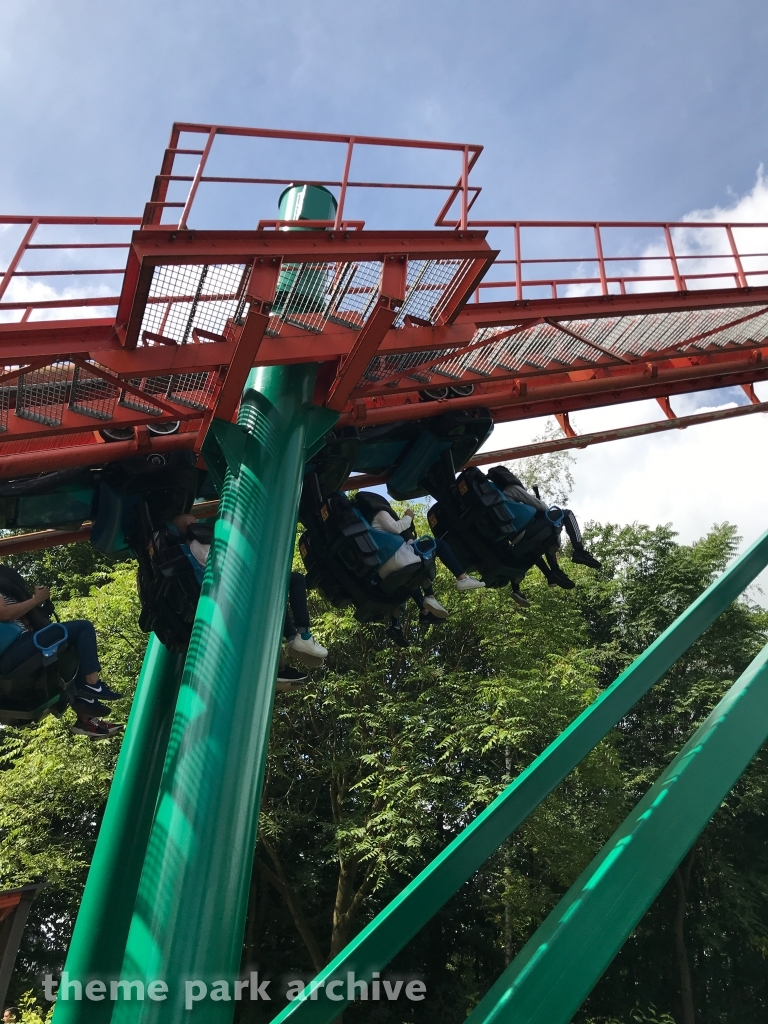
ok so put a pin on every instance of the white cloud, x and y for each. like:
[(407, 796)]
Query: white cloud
[(24, 289), (698, 249)]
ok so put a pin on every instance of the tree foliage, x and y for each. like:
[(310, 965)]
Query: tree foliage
[(381, 759)]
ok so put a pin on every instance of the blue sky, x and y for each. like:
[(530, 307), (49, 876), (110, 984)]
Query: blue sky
[(588, 109), (596, 108)]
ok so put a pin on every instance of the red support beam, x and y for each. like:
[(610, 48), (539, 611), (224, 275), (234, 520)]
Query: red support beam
[(617, 434), (666, 407), (503, 314), (96, 454), (521, 399), (391, 295), (261, 294)]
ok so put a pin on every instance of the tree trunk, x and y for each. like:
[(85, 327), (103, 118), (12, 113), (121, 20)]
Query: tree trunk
[(291, 898), (682, 880), (343, 908)]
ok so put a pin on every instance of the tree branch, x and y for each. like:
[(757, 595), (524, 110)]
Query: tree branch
[(292, 901)]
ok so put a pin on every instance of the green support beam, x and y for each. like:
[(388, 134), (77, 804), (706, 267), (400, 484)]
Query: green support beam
[(101, 930), (556, 970), (189, 916), (396, 925)]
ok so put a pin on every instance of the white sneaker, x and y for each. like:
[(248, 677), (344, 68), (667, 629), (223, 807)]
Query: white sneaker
[(433, 605), (307, 660), (469, 583), (301, 646)]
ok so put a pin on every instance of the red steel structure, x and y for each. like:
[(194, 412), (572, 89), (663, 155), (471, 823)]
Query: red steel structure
[(389, 314)]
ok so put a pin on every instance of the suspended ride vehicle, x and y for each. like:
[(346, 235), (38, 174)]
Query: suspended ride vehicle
[(342, 553), (138, 498), (490, 533)]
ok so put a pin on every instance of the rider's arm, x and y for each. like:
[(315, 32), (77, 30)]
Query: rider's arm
[(9, 612), (384, 521)]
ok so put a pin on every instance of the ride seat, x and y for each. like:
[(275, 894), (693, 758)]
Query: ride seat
[(43, 683), (342, 555), (169, 579)]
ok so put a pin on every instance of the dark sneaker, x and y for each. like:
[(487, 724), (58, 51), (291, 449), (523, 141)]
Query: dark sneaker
[(519, 598), (396, 633), (557, 578), (291, 675), (428, 619), (95, 728), (100, 691), (582, 557), (89, 707)]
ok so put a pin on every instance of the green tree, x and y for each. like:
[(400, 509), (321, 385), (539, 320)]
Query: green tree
[(53, 785)]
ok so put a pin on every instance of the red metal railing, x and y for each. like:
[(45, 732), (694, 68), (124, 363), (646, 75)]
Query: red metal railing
[(679, 252), (70, 259), (461, 190), (678, 256)]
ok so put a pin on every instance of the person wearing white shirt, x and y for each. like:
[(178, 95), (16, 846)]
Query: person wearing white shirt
[(387, 522)]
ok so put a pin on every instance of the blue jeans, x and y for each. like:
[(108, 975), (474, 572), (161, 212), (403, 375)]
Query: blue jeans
[(82, 636)]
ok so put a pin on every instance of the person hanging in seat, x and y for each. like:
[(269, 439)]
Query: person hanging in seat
[(380, 514), (17, 645), (513, 488), (296, 631)]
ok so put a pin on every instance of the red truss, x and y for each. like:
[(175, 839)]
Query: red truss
[(388, 314)]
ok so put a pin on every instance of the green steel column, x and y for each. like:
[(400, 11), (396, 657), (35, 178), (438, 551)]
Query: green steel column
[(101, 929), (401, 919), (190, 911), (555, 971)]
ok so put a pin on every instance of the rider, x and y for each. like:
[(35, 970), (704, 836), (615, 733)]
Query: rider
[(514, 489), (17, 646), (387, 520), (296, 630)]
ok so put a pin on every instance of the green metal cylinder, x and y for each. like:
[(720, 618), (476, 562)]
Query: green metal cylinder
[(98, 942), (301, 286), (306, 202), (189, 917)]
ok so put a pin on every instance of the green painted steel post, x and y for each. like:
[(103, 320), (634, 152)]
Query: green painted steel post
[(189, 918), (101, 930), (557, 968), (396, 925)]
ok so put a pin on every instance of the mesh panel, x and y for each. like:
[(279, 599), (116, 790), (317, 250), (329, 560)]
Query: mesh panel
[(301, 294), (42, 394), (131, 401), (194, 390), (92, 395), (428, 288), (184, 298), (310, 294), (545, 348)]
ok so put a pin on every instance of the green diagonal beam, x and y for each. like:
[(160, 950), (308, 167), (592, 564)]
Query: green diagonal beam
[(556, 970), (101, 929), (396, 925)]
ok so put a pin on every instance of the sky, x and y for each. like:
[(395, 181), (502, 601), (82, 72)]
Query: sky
[(601, 109)]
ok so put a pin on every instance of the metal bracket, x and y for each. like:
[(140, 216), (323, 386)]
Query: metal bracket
[(227, 445), (321, 420)]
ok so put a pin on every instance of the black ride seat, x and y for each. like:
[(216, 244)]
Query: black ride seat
[(44, 683), (477, 522), (169, 585), (342, 560), (136, 499)]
